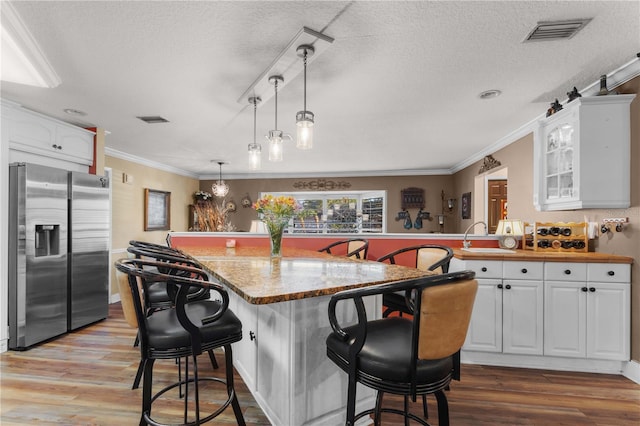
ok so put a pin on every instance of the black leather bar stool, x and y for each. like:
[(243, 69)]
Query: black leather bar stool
[(184, 330), (399, 355)]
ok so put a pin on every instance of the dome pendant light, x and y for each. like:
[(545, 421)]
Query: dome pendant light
[(276, 137), (255, 150), (220, 188), (304, 118)]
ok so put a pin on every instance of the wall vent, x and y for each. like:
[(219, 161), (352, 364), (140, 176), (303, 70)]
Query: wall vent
[(556, 30), (153, 119)]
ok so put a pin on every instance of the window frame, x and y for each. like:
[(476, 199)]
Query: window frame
[(363, 224)]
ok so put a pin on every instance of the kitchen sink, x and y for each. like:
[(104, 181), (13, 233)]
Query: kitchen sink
[(488, 250)]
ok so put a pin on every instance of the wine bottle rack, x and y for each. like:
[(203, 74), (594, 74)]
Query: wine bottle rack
[(557, 237)]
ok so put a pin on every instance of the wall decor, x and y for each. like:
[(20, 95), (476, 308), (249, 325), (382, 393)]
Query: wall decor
[(466, 205), (574, 94), (322, 185), (489, 163), (412, 198), (157, 210), (555, 107), (246, 201)]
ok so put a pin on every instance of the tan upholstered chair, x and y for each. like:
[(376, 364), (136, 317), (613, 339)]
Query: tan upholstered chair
[(404, 356)]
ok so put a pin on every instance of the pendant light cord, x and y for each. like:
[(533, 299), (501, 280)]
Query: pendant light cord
[(305, 79), (275, 84), (255, 108)]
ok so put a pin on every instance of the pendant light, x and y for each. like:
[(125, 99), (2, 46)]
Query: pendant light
[(220, 188), (255, 150), (304, 118), (276, 137)]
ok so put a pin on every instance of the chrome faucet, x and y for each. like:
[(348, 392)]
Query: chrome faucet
[(467, 244)]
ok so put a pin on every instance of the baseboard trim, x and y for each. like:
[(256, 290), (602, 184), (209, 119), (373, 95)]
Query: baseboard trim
[(632, 371), (547, 363)]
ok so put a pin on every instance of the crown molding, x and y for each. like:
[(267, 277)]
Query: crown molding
[(149, 163), (367, 173)]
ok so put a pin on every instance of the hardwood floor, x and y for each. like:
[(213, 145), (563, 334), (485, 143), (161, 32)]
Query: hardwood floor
[(84, 378)]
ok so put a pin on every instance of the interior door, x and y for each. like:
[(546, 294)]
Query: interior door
[(496, 202)]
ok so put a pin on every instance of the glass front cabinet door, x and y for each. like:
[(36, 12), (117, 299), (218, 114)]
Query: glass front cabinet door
[(582, 155)]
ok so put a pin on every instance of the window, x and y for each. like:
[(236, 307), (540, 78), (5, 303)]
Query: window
[(354, 212)]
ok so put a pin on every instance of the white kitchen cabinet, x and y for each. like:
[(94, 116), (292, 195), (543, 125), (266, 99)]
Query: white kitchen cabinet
[(38, 135), (485, 328), (507, 313), (589, 134), (587, 311), (522, 317)]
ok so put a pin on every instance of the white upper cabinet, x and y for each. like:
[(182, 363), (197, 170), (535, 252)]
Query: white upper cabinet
[(582, 155), (46, 137)]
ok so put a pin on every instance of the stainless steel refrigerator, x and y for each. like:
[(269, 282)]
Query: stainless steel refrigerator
[(58, 252)]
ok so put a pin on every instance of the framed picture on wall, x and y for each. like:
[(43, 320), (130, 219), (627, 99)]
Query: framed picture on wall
[(466, 205), (157, 210)]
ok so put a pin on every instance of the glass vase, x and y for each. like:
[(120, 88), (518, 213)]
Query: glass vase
[(276, 227)]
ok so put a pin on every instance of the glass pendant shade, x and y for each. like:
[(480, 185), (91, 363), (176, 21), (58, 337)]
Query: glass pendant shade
[(304, 124), (255, 156), (220, 188), (275, 145)]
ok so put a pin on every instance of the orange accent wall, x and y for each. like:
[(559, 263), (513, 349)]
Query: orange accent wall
[(378, 245)]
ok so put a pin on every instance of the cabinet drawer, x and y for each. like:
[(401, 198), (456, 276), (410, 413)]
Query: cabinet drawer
[(523, 270), (485, 269), (608, 272), (559, 271)]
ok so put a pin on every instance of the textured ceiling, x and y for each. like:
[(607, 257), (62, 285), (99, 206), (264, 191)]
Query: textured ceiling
[(396, 91)]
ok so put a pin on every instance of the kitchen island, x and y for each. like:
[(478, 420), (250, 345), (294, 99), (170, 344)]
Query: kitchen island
[(282, 303)]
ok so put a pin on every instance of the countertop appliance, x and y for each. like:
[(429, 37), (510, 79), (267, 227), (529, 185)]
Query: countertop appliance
[(58, 252)]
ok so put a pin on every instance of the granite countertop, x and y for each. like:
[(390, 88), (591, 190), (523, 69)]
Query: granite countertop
[(540, 256), (257, 278)]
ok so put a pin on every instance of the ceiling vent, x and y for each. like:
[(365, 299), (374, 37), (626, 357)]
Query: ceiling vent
[(153, 119), (556, 30)]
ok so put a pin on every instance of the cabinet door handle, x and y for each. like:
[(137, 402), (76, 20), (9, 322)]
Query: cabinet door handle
[(592, 289), (484, 269), (508, 287), (584, 289), (500, 286), (252, 335), (567, 271), (611, 273), (524, 270)]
